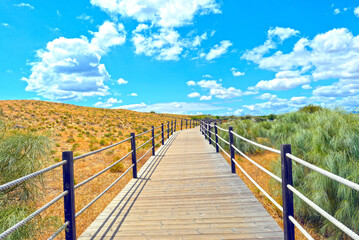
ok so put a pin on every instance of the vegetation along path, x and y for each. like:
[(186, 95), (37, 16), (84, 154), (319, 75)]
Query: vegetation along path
[(185, 191)]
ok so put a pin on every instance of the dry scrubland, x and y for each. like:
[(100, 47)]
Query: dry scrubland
[(82, 129)]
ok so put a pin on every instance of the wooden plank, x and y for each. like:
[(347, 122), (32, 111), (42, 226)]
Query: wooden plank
[(186, 191)]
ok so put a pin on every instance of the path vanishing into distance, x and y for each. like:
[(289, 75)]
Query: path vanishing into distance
[(185, 191)]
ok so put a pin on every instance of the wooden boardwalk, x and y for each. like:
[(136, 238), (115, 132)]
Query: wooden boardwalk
[(186, 191)]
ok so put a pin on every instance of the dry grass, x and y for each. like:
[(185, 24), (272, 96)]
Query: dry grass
[(266, 160), (83, 129)]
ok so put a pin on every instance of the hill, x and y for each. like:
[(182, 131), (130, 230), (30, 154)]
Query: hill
[(81, 129)]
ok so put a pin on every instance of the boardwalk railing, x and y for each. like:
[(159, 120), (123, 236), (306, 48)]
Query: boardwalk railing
[(69, 187), (286, 179)]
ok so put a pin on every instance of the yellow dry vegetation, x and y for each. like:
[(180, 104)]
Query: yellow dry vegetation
[(83, 129)]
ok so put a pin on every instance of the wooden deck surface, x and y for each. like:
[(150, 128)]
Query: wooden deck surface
[(186, 191)]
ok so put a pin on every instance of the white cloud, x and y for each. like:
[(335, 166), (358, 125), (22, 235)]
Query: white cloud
[(216, 89), (84, 17), (205, 98), (283, 81), (163, 13), (5, 24), (165, 45), (24, 5), (336, 11), (257, 53), (133, 94), (71, 69), (191, 83), (194, 95), (171, 107), (207, 76), (109, 35), (236, 73), (109, 103), (330, 55), (266, 96), (282, 33), (356, 11), (218, 50), (276, 105), (306, 86), (121, 81)]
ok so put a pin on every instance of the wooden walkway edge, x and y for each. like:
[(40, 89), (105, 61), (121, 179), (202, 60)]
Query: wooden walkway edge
[(186, 191)]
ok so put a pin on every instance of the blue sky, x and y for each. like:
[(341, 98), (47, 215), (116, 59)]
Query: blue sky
[(228, 57)]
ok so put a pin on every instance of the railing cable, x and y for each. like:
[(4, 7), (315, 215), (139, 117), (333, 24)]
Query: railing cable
[(30, 176), (257, 144), (102, 193), (31, 216), (100, 150), (102, 171)]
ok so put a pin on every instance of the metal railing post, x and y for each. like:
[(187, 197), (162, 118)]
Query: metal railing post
[(153, 140), (163, 135), (209, 134), (216, 133), (168, 130), (69, 199), (233, 166), (134, 159), (287, 195)]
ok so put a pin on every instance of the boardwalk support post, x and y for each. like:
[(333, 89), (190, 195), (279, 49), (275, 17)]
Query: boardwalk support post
[(134, 159), (233, 166), (153, 140), (175, 125), (181, 123), (168, 130), (209, 134), (69, 199), (186, 123), (287, 195), (171, 127), (163, 134), (216, 133)]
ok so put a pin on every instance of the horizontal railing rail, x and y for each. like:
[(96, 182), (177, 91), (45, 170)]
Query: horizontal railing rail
[(286, 179), (68, 176)]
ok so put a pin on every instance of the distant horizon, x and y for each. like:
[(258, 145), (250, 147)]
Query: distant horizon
[(182, 57)]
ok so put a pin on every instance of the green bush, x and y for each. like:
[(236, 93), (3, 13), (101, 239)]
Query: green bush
[(326, 138), (21, 153)]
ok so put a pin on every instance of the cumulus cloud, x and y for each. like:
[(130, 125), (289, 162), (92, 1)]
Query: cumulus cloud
[(107, 104), (171, 107), (282, 33), (257, 53), (70, 68), (356, 11), (191, 83), (166, 44), (217, 50), (121, 81), (236, 73), (163, 13), (336, 11), (84, 17), (194, 95), (133, 94), (205, 98), (217, 90), (330, 55), (283, 81)]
